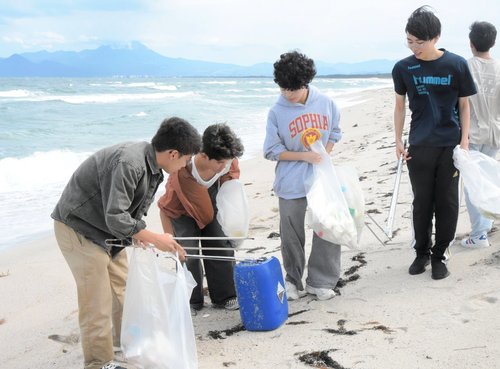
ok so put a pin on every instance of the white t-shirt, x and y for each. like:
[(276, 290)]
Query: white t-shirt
[(485, 105), (212, 180)]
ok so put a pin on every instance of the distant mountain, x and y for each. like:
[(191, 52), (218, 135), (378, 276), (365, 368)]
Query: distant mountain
[(137, 60)]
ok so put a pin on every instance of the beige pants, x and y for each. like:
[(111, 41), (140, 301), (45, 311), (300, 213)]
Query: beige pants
[(100, 282)]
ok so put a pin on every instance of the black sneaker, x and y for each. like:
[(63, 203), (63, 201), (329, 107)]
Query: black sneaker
[(439, 269), (419, 264), (197, 306)]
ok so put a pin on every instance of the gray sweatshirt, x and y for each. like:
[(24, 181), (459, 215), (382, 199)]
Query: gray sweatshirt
[(290, 127)]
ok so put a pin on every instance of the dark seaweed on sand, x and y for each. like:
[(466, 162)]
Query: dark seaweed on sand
[(228, 332), (341, 330), (297, 313), (320, 359)]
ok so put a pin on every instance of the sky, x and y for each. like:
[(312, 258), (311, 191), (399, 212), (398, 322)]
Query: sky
[(243, 32)]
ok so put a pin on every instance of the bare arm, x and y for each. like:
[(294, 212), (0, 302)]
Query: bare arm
[(309, 156), (329, 147), (399, 122), (166, 223), (464, 112)]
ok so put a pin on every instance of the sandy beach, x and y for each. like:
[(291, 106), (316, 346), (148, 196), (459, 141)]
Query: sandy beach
[(383, 318)]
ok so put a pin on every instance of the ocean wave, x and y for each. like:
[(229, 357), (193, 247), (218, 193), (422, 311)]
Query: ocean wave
[(219, 82), (262, 82), (274, 90), (16, 93), (39, 170), (253, 96), (139, 84), (349, 91), (164, 87), (29, 189), (106, 98), (151, 85)]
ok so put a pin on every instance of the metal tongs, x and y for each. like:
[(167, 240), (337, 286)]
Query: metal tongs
[(116, 242), (394, 200)]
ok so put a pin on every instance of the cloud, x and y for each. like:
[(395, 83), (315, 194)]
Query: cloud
[(36, 40), (235, 31), (43, 8)]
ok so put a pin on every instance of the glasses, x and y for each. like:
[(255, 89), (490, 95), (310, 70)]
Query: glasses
[(416, 44)]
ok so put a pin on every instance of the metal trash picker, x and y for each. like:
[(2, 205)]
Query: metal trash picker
[(119, 243), (214, 257), (394, 200)]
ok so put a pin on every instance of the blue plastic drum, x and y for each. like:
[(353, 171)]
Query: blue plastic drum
[(261, 294)]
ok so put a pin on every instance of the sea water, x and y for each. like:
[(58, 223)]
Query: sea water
[(48, 126)]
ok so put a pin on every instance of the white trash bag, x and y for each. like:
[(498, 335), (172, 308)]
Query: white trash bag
[(353, 194), (157, 329), (232, 209), (481, 176), (328, 212)]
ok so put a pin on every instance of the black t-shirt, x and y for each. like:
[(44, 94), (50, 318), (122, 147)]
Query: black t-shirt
[(433, 88)]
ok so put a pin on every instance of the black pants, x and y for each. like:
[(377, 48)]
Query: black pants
[(434, 182), (219, 273)]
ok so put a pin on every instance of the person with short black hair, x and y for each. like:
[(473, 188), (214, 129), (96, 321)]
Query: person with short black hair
[(484, 133), (437, 83), (301, 116), (106, 199), (189, 209)]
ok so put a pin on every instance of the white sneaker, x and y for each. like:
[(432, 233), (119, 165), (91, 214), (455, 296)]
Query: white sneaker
[(292, 293), (321, 293), (476, 242), (232, 304), (113, 366)]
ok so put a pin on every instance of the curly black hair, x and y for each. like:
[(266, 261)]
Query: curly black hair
[(294, 71), (423, 24), (221, 143)]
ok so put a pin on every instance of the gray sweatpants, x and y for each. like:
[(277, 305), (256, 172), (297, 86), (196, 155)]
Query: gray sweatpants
[(324, 260)]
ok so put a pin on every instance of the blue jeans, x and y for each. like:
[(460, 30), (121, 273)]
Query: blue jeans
[(479, 224)]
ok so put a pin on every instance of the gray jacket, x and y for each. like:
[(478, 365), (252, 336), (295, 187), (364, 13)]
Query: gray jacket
[(110, 192)]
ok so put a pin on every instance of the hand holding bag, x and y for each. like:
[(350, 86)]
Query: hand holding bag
[(328, 213)]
